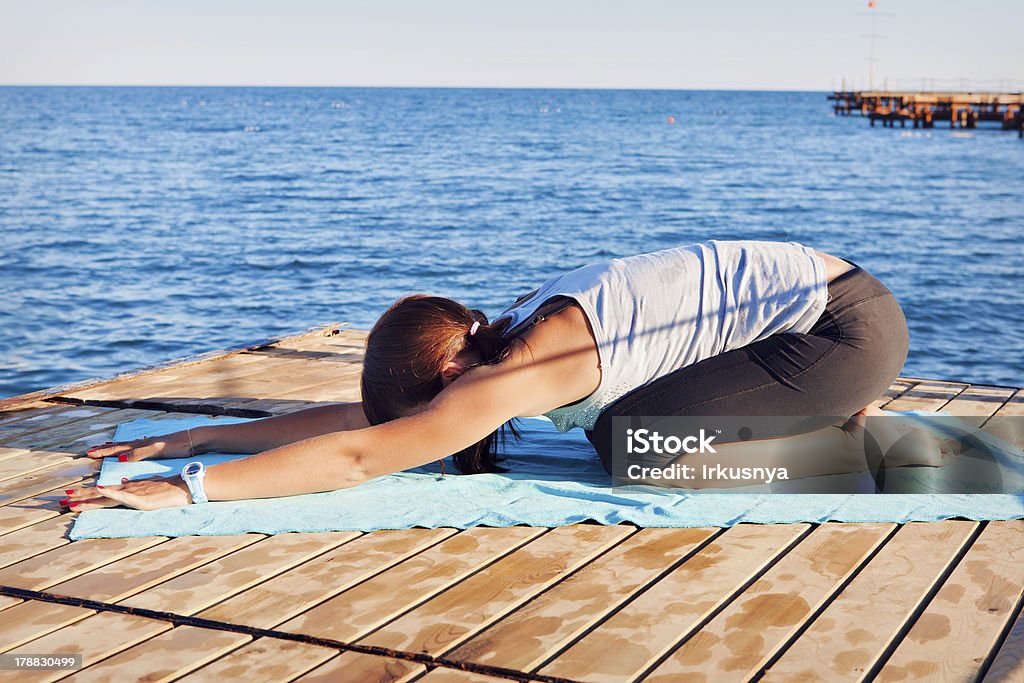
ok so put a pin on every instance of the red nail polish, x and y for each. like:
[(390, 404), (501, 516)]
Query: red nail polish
[(69, 491), (122, 458), (124, 479), (74, 504), (64, 501), (98, 486)]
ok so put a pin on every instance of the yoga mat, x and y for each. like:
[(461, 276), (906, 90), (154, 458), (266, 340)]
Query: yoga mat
[(555, 479)]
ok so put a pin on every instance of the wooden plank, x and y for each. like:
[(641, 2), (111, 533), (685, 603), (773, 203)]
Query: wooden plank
[(94, 430), (1008, 421), (148, 567), (56, 416), (170, 655), (532, 634), (977, 403), (264, 659), (300, 389), (1008, 664), (68, 561), (864, 621), (62, 467), (82, 443), (26, 513), (41, 411), (342, 358), (278, 406), (240, 377), (356, 667), (340, 388), (972, 609), (217, 580), (9, 453), (897, 389), (69, 389), (742, 638), (118, 579), (277, 599), (35, 539), (33, 619), (201, 384), (356, 611), (927, 395), (140, 386), (646, 628), (349, 343), (31, 461), (76, 469), (325, 393), (210, 372), (96, 638), (452, 617), (24, 410), (45, 482)]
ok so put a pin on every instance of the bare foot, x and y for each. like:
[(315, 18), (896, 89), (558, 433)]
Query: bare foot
[(891, 445)]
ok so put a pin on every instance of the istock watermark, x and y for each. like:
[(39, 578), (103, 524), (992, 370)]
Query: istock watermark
[(819, 454), (647, 441)]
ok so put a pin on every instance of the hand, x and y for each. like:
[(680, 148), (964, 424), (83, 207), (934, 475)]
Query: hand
[(141, 494), (176, 445)]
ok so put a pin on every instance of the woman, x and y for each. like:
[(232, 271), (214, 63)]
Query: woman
[(720, 328)]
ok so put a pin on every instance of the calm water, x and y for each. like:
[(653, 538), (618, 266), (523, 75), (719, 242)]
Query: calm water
[(145, 224)]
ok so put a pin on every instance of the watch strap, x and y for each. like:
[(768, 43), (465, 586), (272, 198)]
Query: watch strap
[(195, 481)]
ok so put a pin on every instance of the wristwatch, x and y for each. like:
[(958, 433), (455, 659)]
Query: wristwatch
[(192, 474)]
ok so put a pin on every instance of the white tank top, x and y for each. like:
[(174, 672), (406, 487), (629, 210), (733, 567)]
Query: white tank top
[(655, 313)]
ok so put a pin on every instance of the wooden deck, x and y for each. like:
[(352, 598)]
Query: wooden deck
[(925, 108), (928, 601)]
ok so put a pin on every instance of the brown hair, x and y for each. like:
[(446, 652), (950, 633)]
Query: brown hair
[(405, 352)]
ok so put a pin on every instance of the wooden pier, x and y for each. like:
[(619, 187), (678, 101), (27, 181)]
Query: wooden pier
[(784, 602), (923, 109)]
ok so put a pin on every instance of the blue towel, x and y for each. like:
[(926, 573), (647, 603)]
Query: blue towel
[(555, 479)]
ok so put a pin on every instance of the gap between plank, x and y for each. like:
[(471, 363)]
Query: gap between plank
[(195, 409)]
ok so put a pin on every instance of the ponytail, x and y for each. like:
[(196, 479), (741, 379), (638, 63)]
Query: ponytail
[(405, 353)]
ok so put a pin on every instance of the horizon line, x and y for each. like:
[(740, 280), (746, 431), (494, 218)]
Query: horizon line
[(409, 87)]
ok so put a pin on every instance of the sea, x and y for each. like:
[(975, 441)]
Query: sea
[(139, 225)]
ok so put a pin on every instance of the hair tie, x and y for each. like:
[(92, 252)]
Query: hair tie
[(474, 327)]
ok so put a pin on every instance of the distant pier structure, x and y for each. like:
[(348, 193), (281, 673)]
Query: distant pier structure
[(923, 109)]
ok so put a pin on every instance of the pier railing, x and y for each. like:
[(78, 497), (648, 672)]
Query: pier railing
[(923, 109)]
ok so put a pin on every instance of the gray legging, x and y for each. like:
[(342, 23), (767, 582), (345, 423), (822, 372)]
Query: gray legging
[(847, 360)]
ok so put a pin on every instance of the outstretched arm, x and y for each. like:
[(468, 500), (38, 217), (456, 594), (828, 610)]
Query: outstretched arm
[(466, 411)]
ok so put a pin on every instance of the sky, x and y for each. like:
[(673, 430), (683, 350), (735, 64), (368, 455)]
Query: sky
[(681, 44)]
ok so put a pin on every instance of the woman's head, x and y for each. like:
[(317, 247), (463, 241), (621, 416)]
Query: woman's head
[(420, 345)]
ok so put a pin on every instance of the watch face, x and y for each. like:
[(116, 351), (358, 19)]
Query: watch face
[(191, 469)]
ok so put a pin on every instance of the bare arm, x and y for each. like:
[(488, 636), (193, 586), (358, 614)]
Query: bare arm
[(466, 411), (242, 437), (272, 432)]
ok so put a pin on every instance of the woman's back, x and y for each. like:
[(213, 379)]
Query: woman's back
[(654, 313)]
